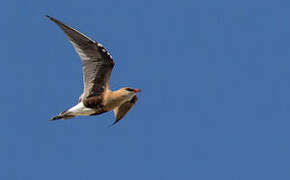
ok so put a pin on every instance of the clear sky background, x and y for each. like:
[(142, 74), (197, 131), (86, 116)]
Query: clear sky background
[(215, 77)]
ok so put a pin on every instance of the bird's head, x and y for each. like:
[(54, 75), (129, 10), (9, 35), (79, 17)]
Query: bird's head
[(129, 92)]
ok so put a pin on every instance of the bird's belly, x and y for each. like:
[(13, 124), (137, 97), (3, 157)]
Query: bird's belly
[(81, 110)]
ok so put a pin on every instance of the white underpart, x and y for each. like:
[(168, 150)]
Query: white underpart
[(81, 110)]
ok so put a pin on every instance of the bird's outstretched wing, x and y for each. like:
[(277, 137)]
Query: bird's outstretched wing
[(97, 63), (124, 108)]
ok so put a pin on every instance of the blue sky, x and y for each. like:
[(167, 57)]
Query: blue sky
[(215, 77)]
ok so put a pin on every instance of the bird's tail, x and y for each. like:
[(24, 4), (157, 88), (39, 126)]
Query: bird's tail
[(63, 115)]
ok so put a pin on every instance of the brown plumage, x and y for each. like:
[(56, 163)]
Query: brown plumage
[(124, 108), (97, 65)]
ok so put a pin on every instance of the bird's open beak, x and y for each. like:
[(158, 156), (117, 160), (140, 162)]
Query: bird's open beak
[(137, 90)]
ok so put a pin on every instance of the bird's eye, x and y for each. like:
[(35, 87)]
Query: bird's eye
[(129, 89)]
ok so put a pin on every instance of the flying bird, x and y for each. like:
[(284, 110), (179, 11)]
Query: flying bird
[(97, 65)]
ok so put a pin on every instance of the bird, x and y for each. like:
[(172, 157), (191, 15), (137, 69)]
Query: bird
[(97, 65)]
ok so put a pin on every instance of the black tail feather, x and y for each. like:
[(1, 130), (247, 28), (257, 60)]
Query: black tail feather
[(63, 115), (55, 118)]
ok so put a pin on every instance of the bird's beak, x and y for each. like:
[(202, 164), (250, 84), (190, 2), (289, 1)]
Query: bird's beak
[(137, 90)]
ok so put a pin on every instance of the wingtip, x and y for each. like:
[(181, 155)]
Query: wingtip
[(112, 124)]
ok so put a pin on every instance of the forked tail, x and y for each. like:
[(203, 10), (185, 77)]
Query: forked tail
[(63, 115)]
